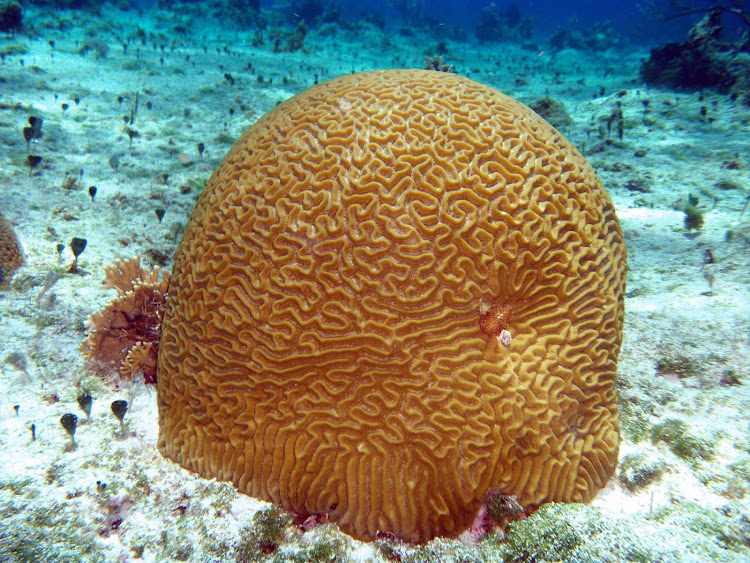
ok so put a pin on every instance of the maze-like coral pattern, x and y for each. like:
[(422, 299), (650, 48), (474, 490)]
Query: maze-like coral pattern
[(11, 252), (321, 346)]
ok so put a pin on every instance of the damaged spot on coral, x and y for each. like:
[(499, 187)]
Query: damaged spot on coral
[(494, 317)]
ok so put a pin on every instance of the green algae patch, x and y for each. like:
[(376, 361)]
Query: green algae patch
[(51, 531), (640, 469), (550, 534), (268, 530), (634, 421), (572, 533), (723, 530), (14, 49), (676, 434)]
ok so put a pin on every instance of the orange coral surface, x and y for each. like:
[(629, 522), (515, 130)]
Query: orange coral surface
[(323, 344), (11, 252)]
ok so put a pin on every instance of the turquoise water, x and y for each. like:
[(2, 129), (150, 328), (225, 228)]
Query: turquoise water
[(143, 102)]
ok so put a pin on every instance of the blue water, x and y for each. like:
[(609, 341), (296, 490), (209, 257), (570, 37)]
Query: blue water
[(629, 18)]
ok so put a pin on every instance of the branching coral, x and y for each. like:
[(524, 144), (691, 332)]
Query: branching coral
[(123, 338), (680, 8)]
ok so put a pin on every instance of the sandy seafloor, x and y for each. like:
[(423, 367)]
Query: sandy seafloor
[(682, 491)]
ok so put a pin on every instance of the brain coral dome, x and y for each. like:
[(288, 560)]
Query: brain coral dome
[(401, 291)]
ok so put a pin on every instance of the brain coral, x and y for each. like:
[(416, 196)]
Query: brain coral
[(332, 337), (11, 252)]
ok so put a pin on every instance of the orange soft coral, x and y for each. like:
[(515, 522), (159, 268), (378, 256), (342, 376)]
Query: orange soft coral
[(123, 338)]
